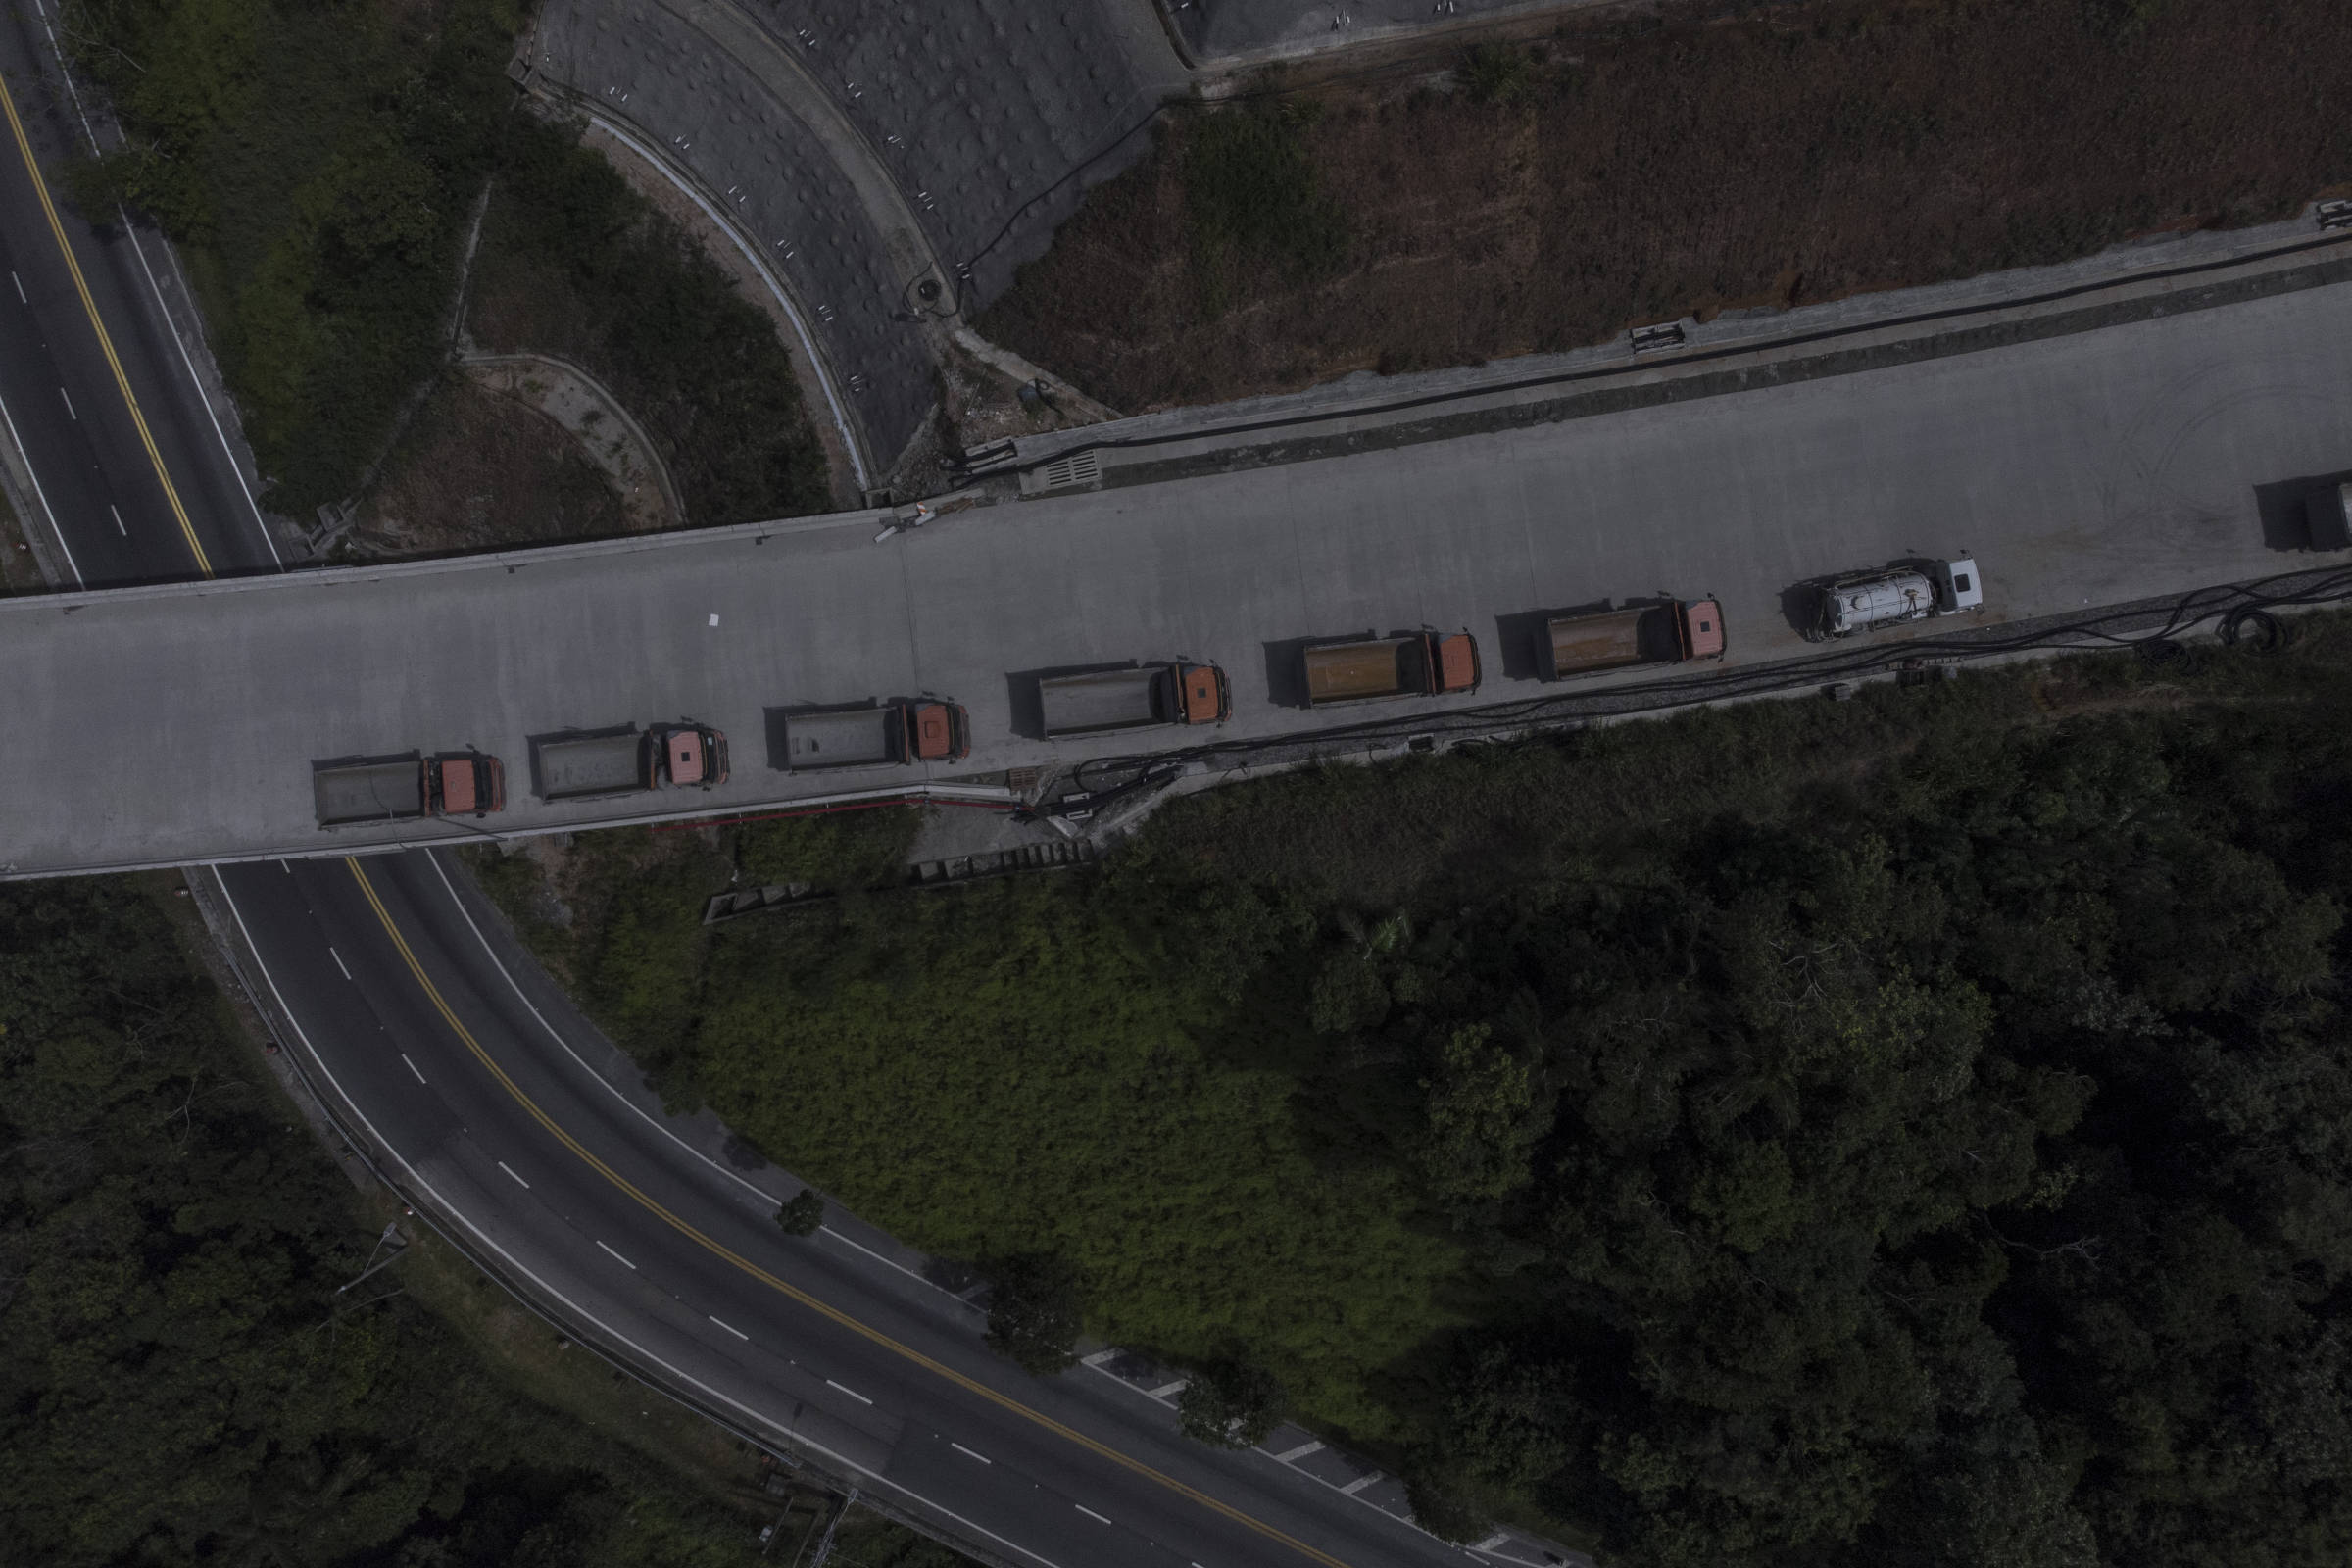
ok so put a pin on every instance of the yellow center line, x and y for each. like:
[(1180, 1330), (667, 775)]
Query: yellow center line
[(719, 1250), (106, 344)]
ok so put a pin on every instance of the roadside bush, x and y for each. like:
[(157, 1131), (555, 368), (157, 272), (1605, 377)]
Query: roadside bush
[(573, 263), (318, 163), (1230, 1405), (1035, 1313)]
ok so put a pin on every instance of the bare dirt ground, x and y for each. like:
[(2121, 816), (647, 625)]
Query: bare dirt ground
[(1631, 168), (478, 469)]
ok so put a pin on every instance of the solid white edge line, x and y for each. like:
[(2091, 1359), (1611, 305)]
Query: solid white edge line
[(169, 325), (339, 963), (172, 328), (624, 1263), (412, 1067), (791, 1438), (969, 1453), (519, 1181), (556, 1034), (729, 1327), (845, 1388), (16, 442), (816, 361), (1088, 1512)]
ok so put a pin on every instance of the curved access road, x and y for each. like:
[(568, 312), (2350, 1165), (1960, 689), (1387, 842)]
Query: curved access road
[(468, 1077), (475, 1088)]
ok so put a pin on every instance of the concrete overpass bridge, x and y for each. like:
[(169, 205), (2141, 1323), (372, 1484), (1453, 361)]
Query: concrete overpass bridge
[(2125, 438)]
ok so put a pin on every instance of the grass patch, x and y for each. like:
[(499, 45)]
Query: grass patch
[(573, 263), (1631, 170), (316, 163), (1770, 1132)]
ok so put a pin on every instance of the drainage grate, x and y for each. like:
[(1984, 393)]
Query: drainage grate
[(1074, 467)]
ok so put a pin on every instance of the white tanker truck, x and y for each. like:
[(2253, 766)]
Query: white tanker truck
[(1872, 599)]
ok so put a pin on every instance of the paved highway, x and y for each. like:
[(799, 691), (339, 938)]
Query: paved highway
[(445, 1048), (2101, 465), (466, 1074)]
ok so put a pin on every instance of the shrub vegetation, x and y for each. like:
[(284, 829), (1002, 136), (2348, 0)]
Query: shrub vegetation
[(1903, 1131), (316, 163), (1642, 165), (181, 1385)]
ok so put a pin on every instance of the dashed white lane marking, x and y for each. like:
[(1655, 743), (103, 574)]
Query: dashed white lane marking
[(339, 963), (624, 1263), (1088, 1512), (519, 1181), (729, 1327), (117, 511), (845, 1388), (19, 282), (968, 1453), (69, 414), (403, 1055)]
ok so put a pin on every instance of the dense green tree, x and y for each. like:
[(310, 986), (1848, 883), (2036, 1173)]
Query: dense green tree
[(1230, 1405), (1035, 1313), (1906, 1132)]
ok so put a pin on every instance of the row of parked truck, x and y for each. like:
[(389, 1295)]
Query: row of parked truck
[(577, 765)]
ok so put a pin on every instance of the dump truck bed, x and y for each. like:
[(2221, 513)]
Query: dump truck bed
[(1109, 698), (859, 737), (370, 792), (1609, 639), (1352, 672), (578, 766)]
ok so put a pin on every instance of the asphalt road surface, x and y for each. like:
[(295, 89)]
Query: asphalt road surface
[(468, 1072), (2101, 466), (445, 1047)]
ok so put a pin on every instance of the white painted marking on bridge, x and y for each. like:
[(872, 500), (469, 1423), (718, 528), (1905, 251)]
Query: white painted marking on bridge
[(969, 1453), (403, 1055), (339, 963), (519, 1181), (729, 1327), (118, 528), (714, 617), (69, 414), (1088, 1512), (624, 1263), (845, 1388), (19, 282)]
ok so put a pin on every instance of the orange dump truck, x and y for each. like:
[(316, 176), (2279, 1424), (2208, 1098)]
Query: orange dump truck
[(1640, 634), (1424, 665), (586, 765), (453, 784), (876, 735), (1174, 693)]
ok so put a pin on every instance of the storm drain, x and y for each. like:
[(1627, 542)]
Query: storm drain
[(1065, 472)]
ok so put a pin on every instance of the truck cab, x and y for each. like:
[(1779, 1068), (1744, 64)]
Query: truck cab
[(936, 732), (684, 755), (465, 784), (1203, 696)]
